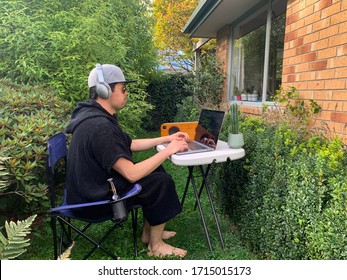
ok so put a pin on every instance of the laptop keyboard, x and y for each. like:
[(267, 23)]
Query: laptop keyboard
[(194, 146)]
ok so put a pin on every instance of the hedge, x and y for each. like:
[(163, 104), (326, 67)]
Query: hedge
[(288, 195)]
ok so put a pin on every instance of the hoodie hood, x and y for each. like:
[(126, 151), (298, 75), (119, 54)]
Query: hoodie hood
[(87, 110)]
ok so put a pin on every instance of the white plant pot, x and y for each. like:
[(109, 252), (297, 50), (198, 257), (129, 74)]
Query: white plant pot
[(253, 97), (244, 97), (235, 140)]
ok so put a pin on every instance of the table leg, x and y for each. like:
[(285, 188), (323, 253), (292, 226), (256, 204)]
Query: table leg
[(199, 207), (187, 185), (204, 183), (212, 204)]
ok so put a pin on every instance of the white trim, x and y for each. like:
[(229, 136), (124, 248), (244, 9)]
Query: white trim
[(267, 51)]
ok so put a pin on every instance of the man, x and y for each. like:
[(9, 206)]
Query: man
[(99, 149)]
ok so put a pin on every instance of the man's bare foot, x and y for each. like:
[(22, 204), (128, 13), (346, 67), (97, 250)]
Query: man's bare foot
[(165, 250), (166, 235)]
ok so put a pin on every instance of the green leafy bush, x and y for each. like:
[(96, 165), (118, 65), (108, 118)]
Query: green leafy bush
[(207, 83), (59, 42), (288, 194), (28, 117), (166, 92)]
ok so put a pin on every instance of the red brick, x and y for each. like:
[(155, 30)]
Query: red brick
[(290, 36), (341, 73), (321, 24), (327, 53), (315, 85), (344, 5), (339, 117), (303, 49), (309, 57), (338, 18), (305, 11), (325, 74), (311, 37), (343, 28), (297, 42), (335, 84), (339, 95), (321, 44), (322, 4), (322, 95), (310, 2), (312, 18), (340, 61), (291, 78), (331, 10), (339, 39), (290, 52), (288, 70), (328, 32), (307, 76), (302, 67), (319, 65), (292, 18)]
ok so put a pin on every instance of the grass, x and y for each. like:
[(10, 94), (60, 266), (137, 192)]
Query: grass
[(188, 225)]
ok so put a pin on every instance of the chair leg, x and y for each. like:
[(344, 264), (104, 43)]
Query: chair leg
[(134, 216), (54, 233), (97, 245)]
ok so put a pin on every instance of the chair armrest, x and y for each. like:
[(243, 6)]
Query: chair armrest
[(134, 191)]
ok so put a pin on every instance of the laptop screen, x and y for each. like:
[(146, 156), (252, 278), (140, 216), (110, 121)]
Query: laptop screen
[(209, 126)]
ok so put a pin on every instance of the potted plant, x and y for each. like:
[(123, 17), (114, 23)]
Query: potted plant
[(235, 137), (244, 95)]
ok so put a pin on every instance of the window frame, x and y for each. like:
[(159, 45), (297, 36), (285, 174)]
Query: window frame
[(234, 34)]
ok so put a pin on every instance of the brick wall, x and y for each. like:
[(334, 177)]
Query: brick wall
[(315, 58)]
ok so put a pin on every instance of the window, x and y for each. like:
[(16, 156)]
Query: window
[(257, 52)]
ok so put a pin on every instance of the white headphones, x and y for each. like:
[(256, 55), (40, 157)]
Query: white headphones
[(103, 89)]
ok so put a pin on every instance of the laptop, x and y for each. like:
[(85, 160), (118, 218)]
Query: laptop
[(206, 133)]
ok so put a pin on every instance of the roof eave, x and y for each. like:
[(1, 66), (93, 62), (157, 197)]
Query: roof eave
[(202, 11)]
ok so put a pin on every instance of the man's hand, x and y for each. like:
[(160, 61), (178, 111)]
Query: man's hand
[(179, 136), (177, 145)]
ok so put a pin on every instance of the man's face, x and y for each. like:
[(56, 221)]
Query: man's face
[(119, 96)]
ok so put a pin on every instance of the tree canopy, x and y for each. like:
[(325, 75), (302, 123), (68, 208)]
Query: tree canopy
[(170, 18), (59, 42)]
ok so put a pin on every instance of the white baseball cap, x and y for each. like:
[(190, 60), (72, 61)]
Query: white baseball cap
[(111, 74)]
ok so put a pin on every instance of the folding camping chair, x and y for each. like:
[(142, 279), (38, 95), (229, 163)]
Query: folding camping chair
[(67, 218)]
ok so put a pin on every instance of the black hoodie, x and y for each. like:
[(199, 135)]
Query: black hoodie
[(97, 143)]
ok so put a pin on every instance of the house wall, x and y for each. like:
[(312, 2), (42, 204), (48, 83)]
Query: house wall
[(315, 58)]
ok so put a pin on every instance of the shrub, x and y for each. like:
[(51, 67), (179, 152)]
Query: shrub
[(288, 194), (29, 116), (165, 93)]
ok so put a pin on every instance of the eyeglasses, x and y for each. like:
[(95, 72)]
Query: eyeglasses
[(123, 89)]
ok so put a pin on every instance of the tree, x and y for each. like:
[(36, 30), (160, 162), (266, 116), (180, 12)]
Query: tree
[(173, 45), (59, 42)]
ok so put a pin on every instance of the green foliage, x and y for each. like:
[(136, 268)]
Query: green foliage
[(132, 115), (29, 115), (15, 244), (59, 42), (207, 84), (294, 106), (186, 110), (288, 194), (165, 94)]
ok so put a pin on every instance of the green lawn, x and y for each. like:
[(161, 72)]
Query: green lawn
[(188, 226)]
